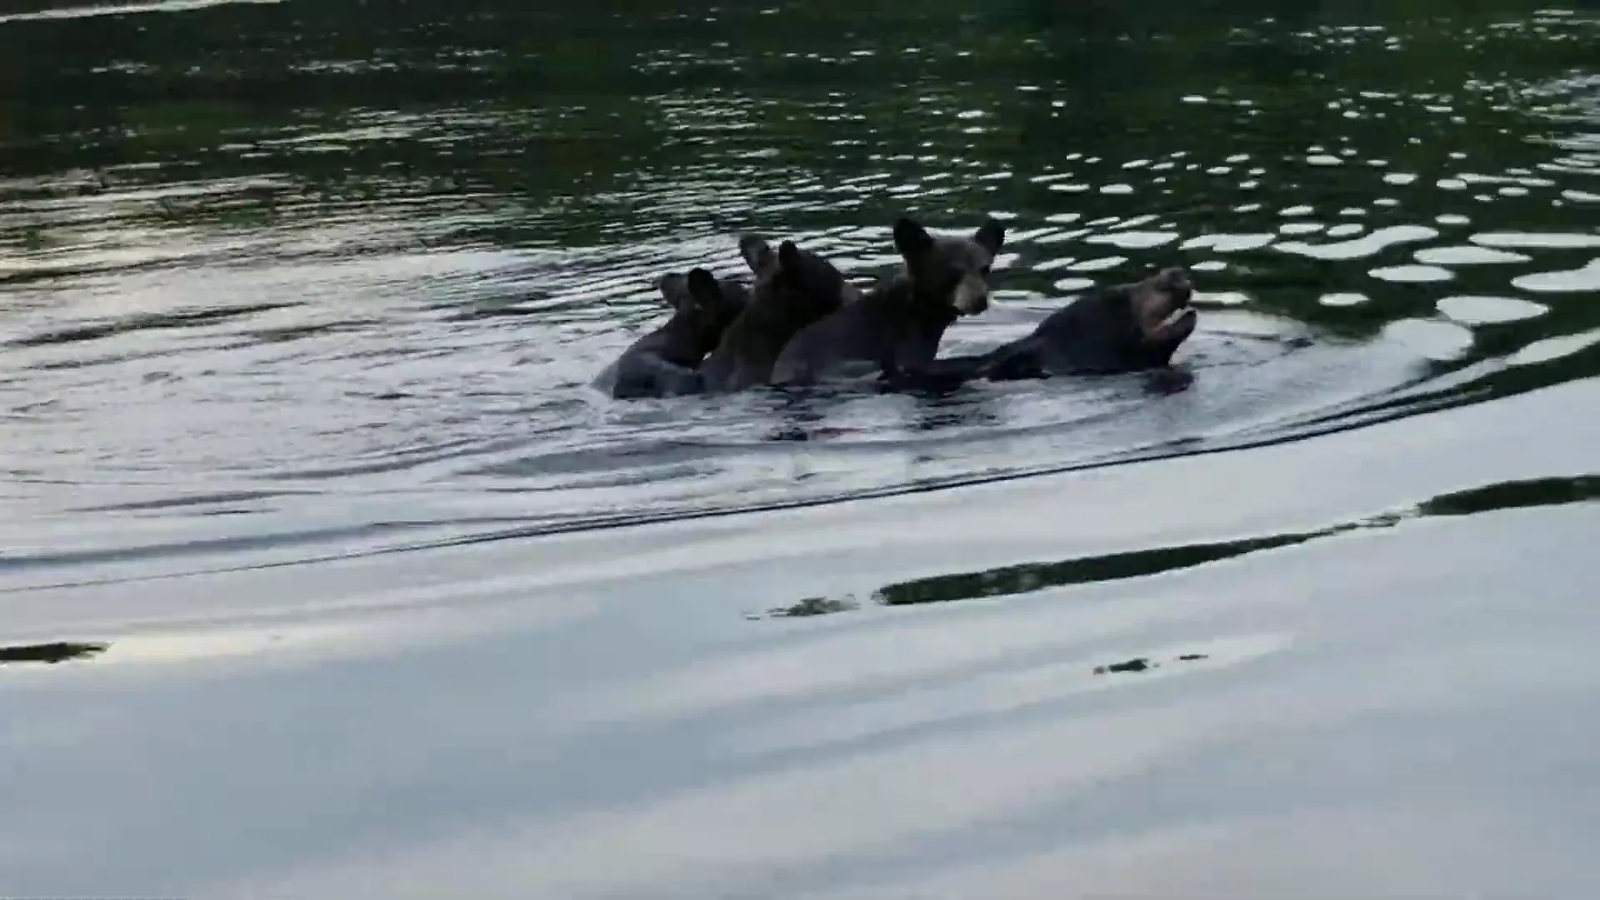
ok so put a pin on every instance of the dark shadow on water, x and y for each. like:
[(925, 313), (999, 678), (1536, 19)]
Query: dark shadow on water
[(1171, 380), (59, 651), (298, 332), (802, 411), (1030, 577), (940, 413), (170, 503), (192, 319), (1027, 577), (1514, 495), (799, 414), (810, 606), (1143, 664)]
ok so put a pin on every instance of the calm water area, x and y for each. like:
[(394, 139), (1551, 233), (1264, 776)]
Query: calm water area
[(325, 571)]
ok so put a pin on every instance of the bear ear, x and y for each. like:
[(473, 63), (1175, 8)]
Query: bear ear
[(674, 288), (990, 235), (788, 256), (757, 254), (703, 288), (910, 238)]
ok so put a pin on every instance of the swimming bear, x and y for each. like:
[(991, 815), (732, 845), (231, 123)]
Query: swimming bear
[(793, 289), (898, 325), (664, 363), (1122, 328)]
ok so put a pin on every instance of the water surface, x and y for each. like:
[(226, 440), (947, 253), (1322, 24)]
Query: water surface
[(306, 484)]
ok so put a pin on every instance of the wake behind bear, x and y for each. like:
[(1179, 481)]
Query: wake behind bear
[(800, 322)]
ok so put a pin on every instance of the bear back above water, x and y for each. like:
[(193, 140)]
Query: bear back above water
[(1122, 328), (900, 322), (793, 289), (664, 362)]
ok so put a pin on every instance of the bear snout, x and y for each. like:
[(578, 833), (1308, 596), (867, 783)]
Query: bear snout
[(971, 297), (1175, 282)]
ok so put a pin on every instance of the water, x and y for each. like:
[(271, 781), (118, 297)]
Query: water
[(372, 592)]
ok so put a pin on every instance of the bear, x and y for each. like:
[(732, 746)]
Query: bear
[(1123, 328), (898, 324), (793, 288), (665, 362)]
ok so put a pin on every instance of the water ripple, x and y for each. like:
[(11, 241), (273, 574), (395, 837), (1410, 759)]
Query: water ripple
[(369, 317)]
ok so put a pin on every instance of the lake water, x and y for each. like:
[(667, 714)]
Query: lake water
[(355, 585)]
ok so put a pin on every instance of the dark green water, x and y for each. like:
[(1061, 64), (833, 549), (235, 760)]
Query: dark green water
[(300, 303)]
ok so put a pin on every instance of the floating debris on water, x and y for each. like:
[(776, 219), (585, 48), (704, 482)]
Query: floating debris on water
[(810, 606), (1141, 663), (58, 651)]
